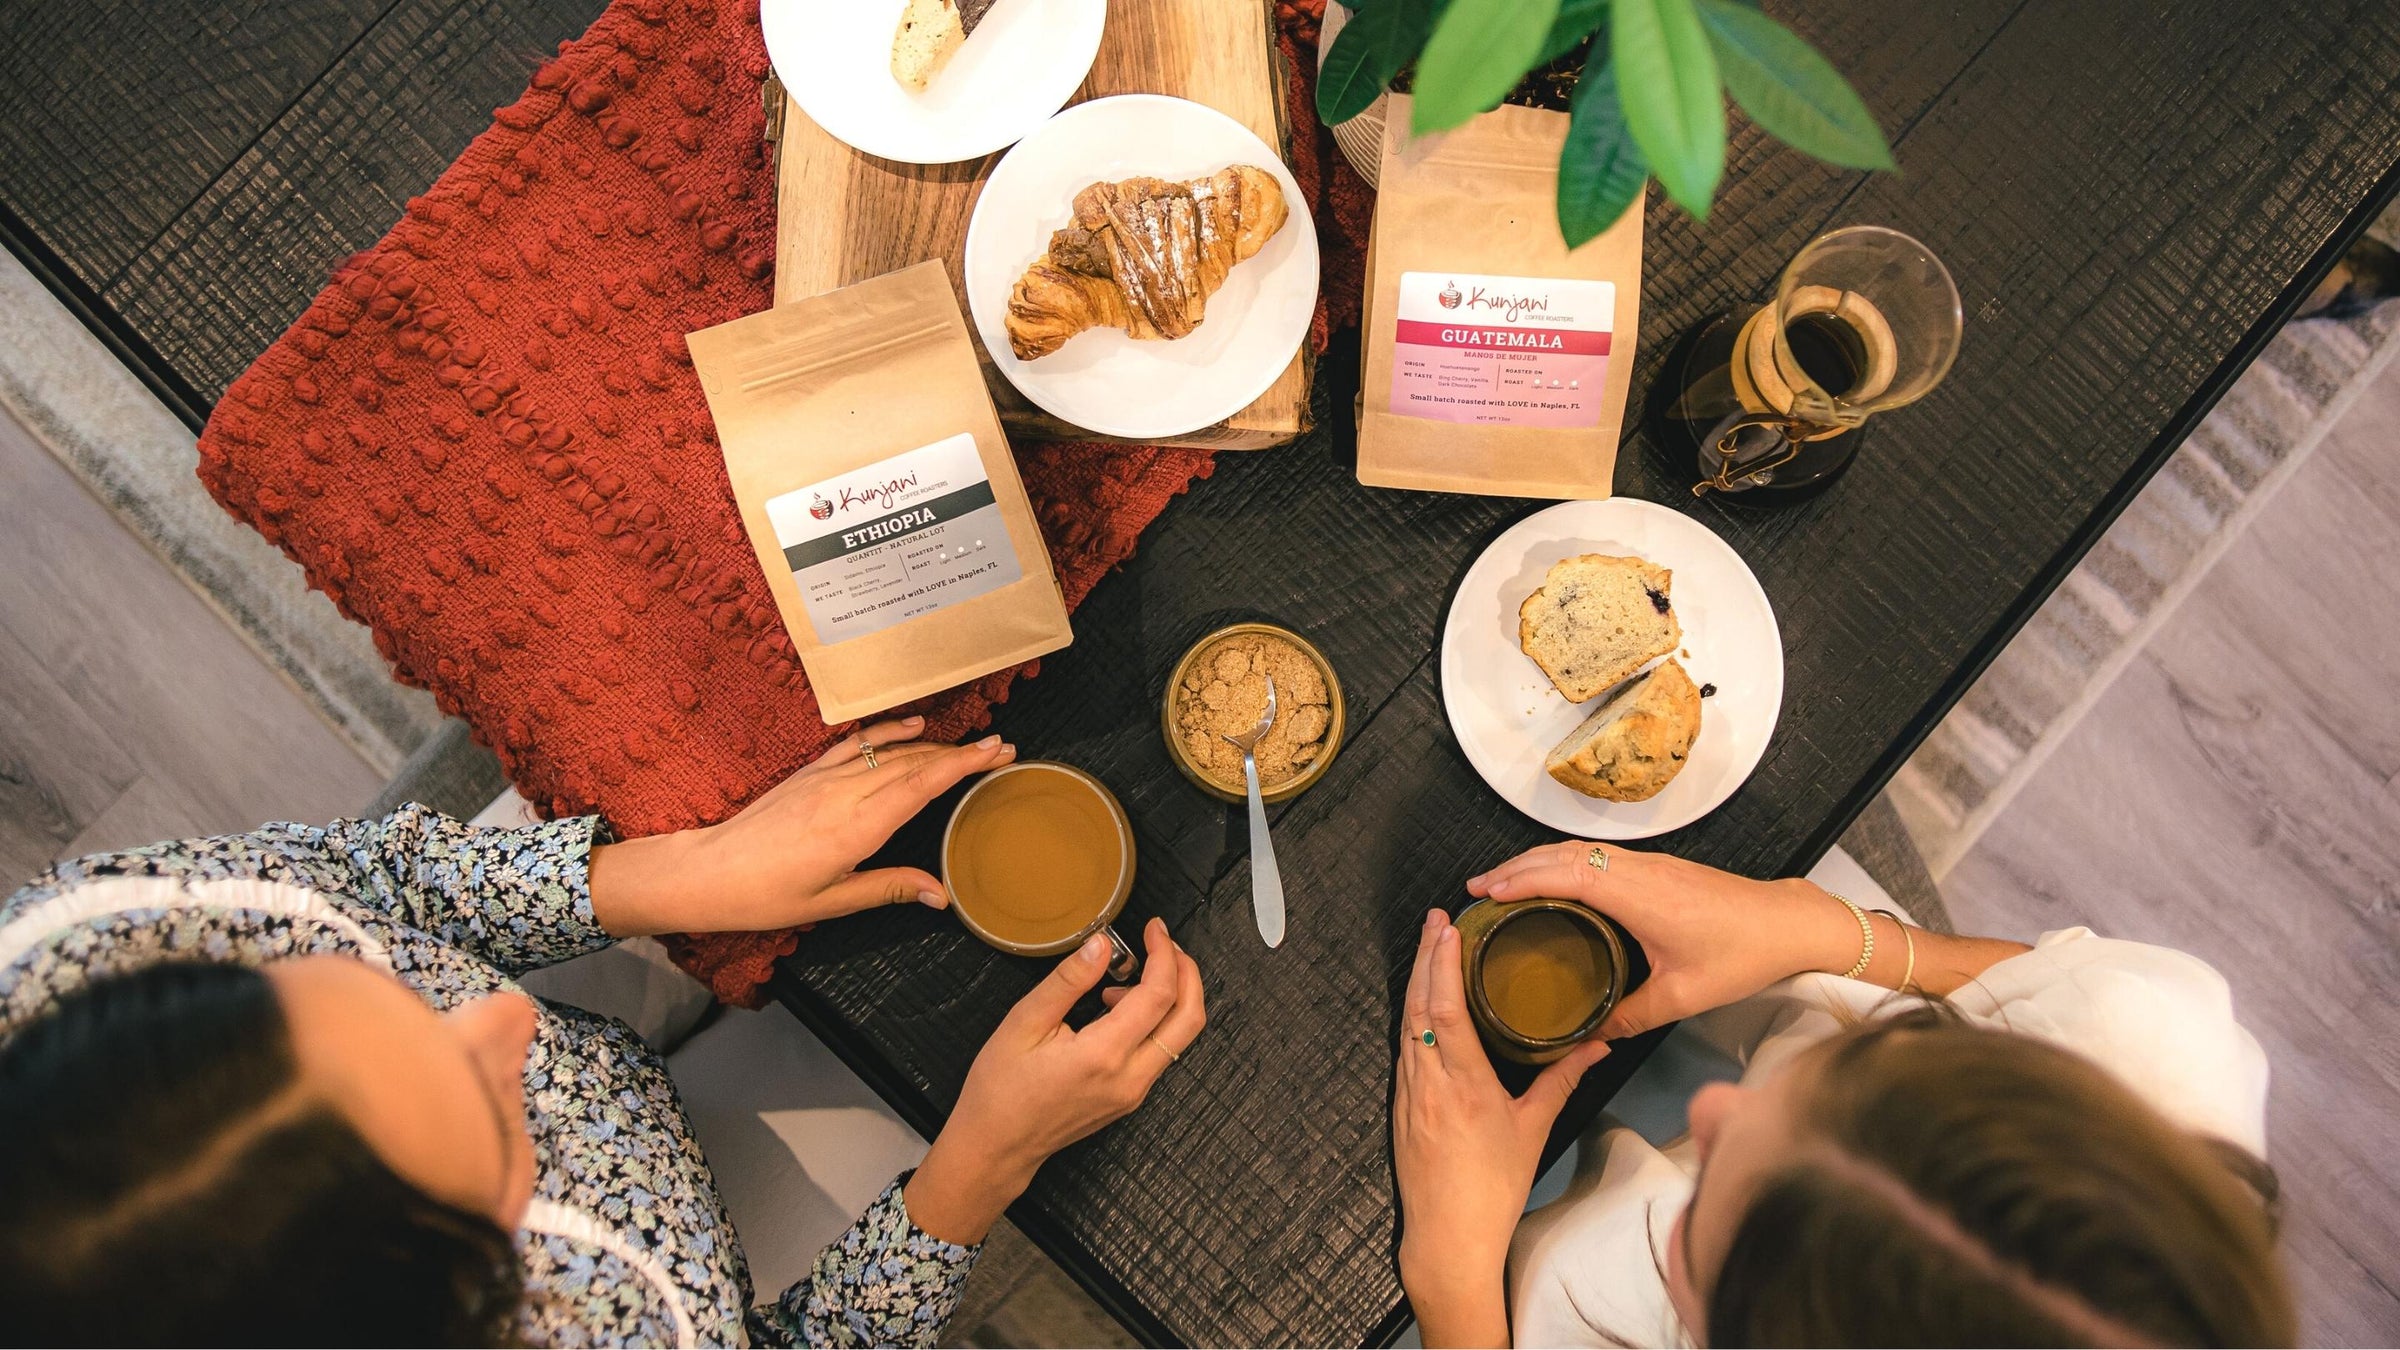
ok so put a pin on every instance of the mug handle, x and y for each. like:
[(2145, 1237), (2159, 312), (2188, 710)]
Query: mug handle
[(1123, 965)]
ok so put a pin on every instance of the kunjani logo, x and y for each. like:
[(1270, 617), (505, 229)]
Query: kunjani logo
[(1450, 297), (819, 508)]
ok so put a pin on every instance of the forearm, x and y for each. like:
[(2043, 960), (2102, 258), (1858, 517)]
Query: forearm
[(1941, 964), (962, 1189), (1457, 1299), (641, 886)]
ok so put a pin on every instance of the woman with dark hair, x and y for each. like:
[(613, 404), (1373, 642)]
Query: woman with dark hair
[(1915, 1139), (281, 1087)]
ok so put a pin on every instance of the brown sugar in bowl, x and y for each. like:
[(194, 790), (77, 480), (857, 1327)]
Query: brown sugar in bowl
[(1204, 674)]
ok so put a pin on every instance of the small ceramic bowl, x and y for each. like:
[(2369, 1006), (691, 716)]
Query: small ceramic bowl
[(1233, 791)]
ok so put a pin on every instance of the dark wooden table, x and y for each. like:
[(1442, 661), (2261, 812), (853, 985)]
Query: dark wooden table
[(2130, 196)]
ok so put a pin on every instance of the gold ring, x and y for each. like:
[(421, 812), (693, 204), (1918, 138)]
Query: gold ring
[(1598, 858), (1162, 1048), (1426, 1036), (866, 751)]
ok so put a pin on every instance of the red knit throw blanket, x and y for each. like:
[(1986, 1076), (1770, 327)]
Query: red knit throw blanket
[(484, 440)]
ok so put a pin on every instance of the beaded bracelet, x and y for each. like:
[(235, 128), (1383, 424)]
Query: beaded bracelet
[(1866, 934)]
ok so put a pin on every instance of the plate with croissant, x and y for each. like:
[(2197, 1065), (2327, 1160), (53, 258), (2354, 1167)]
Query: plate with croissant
[(1142, 266)]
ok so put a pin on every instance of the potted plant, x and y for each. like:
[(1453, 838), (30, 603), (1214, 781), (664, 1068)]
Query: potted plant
[(1642, 81)]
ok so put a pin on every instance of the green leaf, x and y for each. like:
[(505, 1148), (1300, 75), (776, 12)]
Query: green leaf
[(1576, 20), (1477, 53), (1600, 171), (1378, 41), (1792, 91), (1667, 84)]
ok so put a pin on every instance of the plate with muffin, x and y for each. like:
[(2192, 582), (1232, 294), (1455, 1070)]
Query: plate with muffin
[(1142, 266), (931, 81), (1612, 668)]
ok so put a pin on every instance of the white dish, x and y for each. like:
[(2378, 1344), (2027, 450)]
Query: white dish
[(1024, 62), (1508, 716), (1103, 380)]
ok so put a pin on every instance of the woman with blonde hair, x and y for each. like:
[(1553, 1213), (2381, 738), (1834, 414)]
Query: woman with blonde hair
[(1923, 1139)]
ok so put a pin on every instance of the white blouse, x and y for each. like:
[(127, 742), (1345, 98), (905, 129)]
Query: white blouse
[(1590, 1267)]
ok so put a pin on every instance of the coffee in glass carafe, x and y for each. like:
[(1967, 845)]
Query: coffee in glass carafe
[(1771, 400)]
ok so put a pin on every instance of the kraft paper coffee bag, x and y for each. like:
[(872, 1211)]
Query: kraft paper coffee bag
[(1496, 360), (876, 486)]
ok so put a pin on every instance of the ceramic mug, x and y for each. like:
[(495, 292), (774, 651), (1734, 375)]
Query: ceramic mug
[(1544, 978), (1122, 962)]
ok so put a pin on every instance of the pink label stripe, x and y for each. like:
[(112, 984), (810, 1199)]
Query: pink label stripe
[(1477, 337)]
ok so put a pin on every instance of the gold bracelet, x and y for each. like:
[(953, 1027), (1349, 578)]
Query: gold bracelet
[(1908, 976), (1866, 934)]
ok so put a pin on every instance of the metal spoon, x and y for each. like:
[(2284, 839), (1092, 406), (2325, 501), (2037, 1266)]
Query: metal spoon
[(1266, 883)]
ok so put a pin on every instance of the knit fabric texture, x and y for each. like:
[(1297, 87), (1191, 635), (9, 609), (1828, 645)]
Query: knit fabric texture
[(485, 441)]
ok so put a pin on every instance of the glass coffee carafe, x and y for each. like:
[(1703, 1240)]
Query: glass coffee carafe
[(1770, 401)]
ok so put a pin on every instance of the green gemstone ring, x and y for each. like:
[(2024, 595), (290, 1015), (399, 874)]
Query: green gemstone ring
[(1427, 1037)]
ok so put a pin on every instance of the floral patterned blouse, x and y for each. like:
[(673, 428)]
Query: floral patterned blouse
[(626, 1240)]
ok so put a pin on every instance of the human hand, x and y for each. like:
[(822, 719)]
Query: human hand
[(1713, 938), (790, 856), (1465, 1151), (1039, 1085)]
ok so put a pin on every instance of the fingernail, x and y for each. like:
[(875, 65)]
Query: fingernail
[(988, 743), (912, 721), (1449, 935), (1094, 947), (934, 899), (1496, 889)]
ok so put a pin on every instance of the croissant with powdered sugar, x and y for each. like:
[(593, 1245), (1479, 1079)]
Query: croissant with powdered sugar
[(1143, 255)]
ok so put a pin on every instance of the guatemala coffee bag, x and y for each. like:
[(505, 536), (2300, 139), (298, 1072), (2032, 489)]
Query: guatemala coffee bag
[(1497, 360), (877, 488)]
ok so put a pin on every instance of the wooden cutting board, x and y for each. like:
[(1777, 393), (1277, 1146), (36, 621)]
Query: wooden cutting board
[(843, 216)]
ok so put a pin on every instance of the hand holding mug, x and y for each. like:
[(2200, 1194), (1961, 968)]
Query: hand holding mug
[(791, 857), (1713, 938), (1040, 1085), (1465, 1151)]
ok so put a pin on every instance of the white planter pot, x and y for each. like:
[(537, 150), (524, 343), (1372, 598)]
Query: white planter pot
[(1360, 138)]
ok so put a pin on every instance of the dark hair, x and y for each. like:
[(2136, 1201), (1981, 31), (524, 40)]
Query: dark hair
[(163, 1178), (1959, 1185)]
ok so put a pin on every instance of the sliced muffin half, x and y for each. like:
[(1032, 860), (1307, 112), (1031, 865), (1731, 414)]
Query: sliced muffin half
[(1596, 620), (1632, 746)]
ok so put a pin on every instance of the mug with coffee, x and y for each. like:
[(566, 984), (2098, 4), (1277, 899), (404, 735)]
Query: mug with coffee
[(1541, 975), (1038, 856)]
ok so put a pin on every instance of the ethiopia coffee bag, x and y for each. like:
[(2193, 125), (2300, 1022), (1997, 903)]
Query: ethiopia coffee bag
[(877, 488), (1497, 360)]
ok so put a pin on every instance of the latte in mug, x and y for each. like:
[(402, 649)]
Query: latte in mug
[(1039, 856), (1541, 974)]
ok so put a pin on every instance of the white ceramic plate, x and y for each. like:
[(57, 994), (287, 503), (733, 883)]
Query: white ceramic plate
[(1024, 62), (1104, 380), (1508, 716)]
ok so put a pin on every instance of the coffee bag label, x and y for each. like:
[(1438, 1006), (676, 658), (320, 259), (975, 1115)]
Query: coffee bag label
[(905, 536), (1501, 351)]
